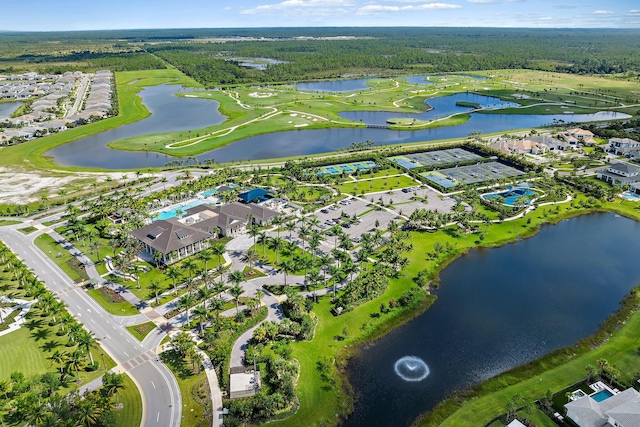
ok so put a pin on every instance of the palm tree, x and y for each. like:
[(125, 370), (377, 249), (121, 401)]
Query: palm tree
[(287, 267), (254, 232), (201, 314), (263, 239), (186, 301), (276, 244), (88, 412), (251, 256), (74, 360), (216, 305), (87, 341), (191, 266), (154, 287), (173, 274), (277, 221), (112, 384), (290, 227), (59, 357), (314, 278), (218, 250), (236, 291), (204, 256)]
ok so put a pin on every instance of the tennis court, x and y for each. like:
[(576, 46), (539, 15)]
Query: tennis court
[(480, 172), (434, 158), (347, 167)]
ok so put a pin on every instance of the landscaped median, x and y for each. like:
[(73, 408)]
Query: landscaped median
[(63, 259)]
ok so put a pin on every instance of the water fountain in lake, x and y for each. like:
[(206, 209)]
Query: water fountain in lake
[(411, 368)]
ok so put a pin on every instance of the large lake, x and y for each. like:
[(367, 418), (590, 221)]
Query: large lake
[(498, 308), (172, 113), (168, 113)]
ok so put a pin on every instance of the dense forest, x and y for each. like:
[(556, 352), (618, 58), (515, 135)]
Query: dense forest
[(313, 53)]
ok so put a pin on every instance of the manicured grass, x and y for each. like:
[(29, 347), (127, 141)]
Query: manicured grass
[(51, 248), (124, 308), (252, 273), (131, 413), (377, 184), (27, 230), (270, 258), (192, 412), (28, 351), (142, 330), (4, 222), (376, 173)]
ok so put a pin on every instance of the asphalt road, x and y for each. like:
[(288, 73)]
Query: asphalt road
[(158, 387)]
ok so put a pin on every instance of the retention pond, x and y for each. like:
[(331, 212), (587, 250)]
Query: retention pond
[(496, 309)]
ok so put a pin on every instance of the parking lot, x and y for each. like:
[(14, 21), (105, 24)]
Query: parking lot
[(368, 215)]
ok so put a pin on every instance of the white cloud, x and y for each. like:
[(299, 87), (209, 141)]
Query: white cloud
[(603, 12), (481, 1), (299, 5), (634, 12), (372, 9)]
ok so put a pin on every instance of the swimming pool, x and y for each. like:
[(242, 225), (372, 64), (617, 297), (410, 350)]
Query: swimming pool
[(630, 195), (601, 395), (172, 213), (208, 193)]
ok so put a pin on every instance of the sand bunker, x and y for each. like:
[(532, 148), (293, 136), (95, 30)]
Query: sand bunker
[(301, 125), (261, 94)]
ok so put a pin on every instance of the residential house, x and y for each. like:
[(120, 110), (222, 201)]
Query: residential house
[(624, 146), (579, 136), (619, 410), (619, 173)]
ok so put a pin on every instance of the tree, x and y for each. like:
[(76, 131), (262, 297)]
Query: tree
[(204, 256), (251, 256), (201, 314), (218, 250), (112, 384), (186, 301), (154, 287), (236, 291), (87, 341), (287, 267), (216, 305), (173, 274)]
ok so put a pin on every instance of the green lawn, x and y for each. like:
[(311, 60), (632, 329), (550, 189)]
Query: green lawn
[(51, 248), (4, 222), (124, 308), (188, 381), (27, 350), (270, 257), (27, 230), (377, 184), (131, 413), (142, 330), (376, 173)]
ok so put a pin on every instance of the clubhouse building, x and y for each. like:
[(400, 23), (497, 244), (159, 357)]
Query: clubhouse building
[(177, 238)]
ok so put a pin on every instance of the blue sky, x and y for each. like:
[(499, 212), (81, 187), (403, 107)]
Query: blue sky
[(52, 15)]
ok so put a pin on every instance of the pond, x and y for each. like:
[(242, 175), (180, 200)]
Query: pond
[(441, 107), (496, 309), (8, 108), (172, 113)]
